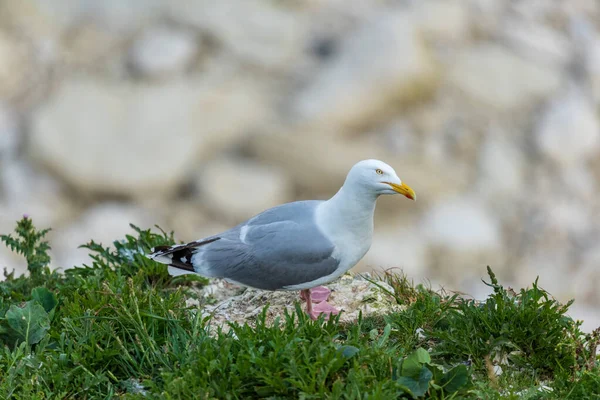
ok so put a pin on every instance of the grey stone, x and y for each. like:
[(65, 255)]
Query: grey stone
[(163, 51)]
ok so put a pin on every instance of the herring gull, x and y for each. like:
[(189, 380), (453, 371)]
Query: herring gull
[(295, 246)]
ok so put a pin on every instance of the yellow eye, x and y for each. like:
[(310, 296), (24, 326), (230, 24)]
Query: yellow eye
[(379, 172)]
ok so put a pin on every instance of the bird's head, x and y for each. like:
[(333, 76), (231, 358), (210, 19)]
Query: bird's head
[(378, 178)]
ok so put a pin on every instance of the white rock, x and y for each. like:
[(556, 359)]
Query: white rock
[(26, 191), (104, 223), (569, 131), (163, 51), (238, 189), (9, 133), (382, 62), (537, 42), (501, 166), (398, 249), (444, 20), (594, 69), (501, 79), (15, 66), (462, 224), (139, 139), (256, 31)]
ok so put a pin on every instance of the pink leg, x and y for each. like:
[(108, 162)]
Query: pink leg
[(320, 308), (319, 294)]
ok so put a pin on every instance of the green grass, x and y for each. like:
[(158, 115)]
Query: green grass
[(120, 328)]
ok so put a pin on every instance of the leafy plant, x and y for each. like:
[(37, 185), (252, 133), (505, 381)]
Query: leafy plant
[(29, 242), (419, 376), (120, 327)]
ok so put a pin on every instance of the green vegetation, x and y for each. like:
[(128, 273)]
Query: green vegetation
[(120, 327)]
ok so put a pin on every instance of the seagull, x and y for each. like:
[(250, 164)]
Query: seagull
[(301, 245)]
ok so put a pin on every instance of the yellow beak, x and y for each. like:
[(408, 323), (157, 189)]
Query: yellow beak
[(403, 189)]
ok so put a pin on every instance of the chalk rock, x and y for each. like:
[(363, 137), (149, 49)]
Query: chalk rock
[(383, 62), (569, 131), (163, 51), (493, 75), (133, 139), (261, 187), (255, 31), (462, 224)]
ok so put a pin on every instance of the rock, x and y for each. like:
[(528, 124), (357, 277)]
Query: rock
[(443, 20), (121, 16), (222, 182), (537, 42), (31, 192), (461, 224), (594, 70), (141, 139), (163, 51), (15, 67), (500, 79), (569, 130), (255, 31), (501, 166), (189, 221), (381, 63), (350, 293), (11, 261), (396, 247), (9, 133), (104, 223)]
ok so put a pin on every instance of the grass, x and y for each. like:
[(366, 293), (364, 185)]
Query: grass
[(120, 328)]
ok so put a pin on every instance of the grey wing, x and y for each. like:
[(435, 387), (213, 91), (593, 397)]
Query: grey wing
[(270, 256)]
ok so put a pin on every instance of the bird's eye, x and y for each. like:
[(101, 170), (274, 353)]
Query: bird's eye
[(379, 172)]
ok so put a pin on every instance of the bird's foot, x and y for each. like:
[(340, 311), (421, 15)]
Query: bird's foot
[(319, 294), (323, 308)]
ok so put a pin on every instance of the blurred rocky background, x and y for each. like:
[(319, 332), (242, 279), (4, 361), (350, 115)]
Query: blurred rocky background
[(195, 115)]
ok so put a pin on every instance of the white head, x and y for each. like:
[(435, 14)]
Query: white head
[(377, 178)]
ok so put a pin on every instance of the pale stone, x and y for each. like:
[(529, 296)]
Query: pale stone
[(103, 223), (222, 182), (501, 167), (569, 130), (377, 66), (138, 139), (397, 249), (594, 70), (351, 293), (462, 224), (15, 66), (9, 133), (189, 220), (537, 42), (163, 51), (31, 192), (444, 20), (494, 76), (255, 31)]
